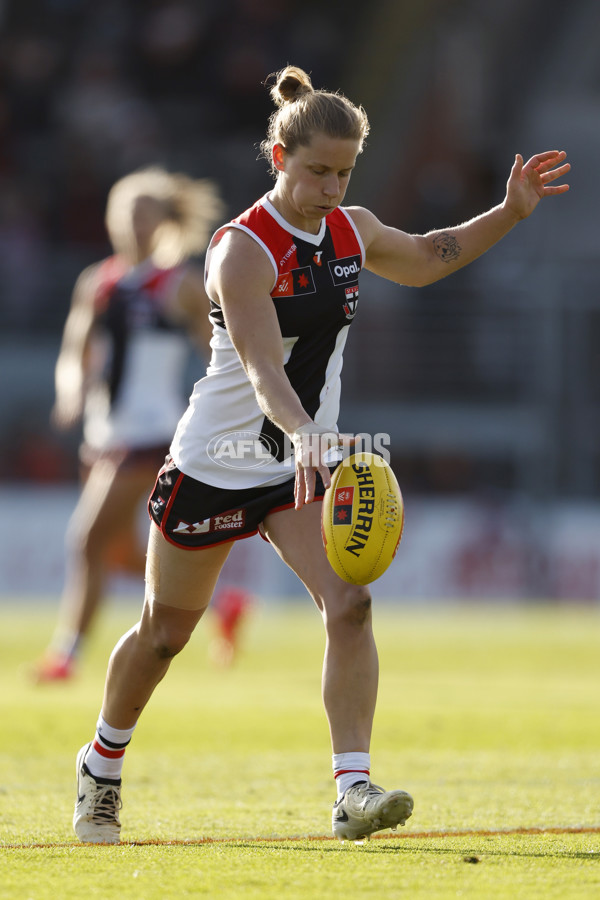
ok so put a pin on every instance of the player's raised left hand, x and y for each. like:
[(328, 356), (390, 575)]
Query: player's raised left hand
[(529, 182)]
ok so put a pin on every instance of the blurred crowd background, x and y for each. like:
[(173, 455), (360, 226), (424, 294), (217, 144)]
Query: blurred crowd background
[(487, 382)]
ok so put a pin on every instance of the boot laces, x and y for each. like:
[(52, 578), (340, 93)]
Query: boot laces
[(107, 803)]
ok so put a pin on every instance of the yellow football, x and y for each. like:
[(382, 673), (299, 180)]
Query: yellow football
[(362, 518)]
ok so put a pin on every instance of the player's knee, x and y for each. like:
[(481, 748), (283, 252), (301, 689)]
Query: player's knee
[(163, 633), (167, 641), (353, 608), (360, 606)]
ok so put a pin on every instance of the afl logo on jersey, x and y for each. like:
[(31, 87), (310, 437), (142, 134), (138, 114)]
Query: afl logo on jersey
[(345, 270)]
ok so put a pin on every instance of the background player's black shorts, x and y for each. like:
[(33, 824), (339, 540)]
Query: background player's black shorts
[(192, 514)]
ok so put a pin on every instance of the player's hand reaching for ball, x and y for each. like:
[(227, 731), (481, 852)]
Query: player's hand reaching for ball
[(311, 444), (529, 182)]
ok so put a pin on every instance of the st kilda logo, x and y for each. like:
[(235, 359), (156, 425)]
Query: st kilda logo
[(351, 302)]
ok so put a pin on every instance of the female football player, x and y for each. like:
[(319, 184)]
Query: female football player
[(279, 277)]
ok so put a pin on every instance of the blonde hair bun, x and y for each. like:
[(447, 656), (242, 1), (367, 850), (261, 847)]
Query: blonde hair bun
[(290, 84), (303, 112)]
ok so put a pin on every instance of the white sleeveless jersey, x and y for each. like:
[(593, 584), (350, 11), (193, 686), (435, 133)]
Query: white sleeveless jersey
[(139, 357), (224, 439)]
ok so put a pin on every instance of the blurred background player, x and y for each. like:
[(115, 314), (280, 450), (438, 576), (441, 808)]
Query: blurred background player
[(133, 320)]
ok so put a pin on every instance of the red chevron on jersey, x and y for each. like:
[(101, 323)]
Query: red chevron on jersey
[(281, 244), (110, 272), (154, 283)]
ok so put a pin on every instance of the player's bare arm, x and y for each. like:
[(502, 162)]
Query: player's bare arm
[(240, 281), (241, 278), (70, 372), (417, 260)]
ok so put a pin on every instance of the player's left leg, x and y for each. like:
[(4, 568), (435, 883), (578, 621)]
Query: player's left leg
[(351, 668), (350, 674)]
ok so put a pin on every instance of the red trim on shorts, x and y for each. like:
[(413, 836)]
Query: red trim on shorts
[(165, 517), (162, 469), (109, 754)]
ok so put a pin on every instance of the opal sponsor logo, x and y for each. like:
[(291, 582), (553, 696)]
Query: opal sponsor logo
[(345, 270)]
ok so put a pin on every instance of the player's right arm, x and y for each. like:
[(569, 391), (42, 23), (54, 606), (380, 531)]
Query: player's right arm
[(71, 366), (240, 279)]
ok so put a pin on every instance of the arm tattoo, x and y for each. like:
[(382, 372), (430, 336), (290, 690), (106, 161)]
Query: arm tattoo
[(446, 246)]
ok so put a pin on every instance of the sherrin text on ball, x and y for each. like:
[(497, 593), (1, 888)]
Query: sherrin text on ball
[(362, 518)]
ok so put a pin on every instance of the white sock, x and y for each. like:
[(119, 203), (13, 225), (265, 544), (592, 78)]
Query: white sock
[(105, 757), (348, 768)]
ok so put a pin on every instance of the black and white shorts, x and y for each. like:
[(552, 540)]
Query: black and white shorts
[(192, 514)]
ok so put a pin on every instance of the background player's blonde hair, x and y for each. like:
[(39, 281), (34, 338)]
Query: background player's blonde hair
[(192, 208), (303, 112)]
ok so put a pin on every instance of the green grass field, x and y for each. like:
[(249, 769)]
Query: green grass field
[(488, 716)]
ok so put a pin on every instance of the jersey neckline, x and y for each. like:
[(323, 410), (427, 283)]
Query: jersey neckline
[(297, 232)]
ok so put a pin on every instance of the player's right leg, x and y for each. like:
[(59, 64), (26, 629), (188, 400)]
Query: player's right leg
[(179, 585), (105, 511)]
